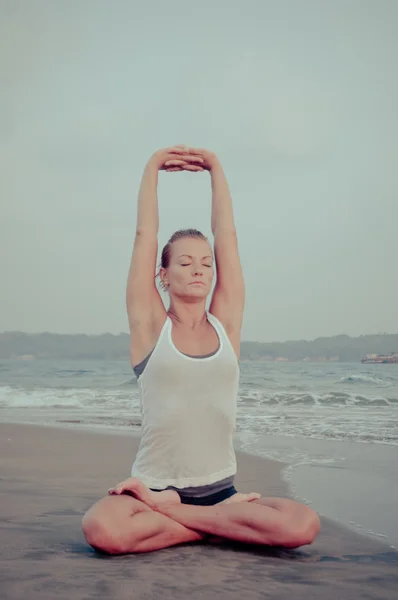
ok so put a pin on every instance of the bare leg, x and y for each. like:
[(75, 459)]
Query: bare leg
[(122, 524), (252, 522), (268, 521)]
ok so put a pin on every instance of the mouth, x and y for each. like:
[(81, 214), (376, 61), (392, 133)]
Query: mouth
[(197, 283)]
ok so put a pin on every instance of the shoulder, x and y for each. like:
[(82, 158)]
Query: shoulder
[(232, 333)]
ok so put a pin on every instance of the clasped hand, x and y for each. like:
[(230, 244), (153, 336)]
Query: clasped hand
[(183, 158)]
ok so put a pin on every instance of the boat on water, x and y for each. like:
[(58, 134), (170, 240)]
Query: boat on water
[(391, 358)]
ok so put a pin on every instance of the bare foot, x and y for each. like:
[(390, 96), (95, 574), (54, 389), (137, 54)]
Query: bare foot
[(140, 491), (241, 498)]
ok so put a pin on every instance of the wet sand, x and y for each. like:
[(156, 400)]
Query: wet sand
[(50, 476)]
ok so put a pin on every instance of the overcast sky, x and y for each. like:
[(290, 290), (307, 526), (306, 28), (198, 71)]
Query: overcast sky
[(297, 97)]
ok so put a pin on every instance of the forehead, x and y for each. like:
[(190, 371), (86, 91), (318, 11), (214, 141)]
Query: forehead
[(192, 246)]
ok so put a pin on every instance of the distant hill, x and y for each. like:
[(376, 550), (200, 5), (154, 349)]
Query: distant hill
[(343, 348)]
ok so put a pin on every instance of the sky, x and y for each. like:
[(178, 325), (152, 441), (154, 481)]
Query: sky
[(298, 99)]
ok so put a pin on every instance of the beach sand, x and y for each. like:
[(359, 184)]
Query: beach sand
[(50, 476)]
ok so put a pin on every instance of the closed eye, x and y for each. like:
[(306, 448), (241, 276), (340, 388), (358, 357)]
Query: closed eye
[(188, 264)]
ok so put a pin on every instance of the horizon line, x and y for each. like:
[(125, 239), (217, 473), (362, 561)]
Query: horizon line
[(122, 333)]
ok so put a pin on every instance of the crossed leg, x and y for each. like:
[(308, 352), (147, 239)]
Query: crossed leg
[(123, 524), (120, 524)]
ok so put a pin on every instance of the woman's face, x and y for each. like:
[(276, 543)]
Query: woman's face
[(191, 269)]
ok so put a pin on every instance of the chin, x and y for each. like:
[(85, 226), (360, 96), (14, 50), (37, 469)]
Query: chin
[(196, 292)]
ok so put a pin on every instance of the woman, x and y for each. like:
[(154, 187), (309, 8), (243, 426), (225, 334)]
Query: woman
[(186, 361)]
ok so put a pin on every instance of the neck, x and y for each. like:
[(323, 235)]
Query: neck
[(187, 315)]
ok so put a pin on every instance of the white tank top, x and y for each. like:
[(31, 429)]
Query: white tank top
[(188, 408)]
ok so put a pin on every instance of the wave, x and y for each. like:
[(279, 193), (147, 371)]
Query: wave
[(335, 415), (366, 379), (308, 399), (81, 398), (365, 437), (127, 392), (313, 425)]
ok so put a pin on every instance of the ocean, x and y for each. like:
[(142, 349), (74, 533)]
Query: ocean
[(334, 425)]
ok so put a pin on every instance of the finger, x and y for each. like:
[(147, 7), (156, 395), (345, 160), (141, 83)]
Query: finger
[(192, 168), (174, 163), (192, 158), (186, 158), (173, 169), (183, 160), (195, 151), (199, 151), (178, 149), (118, 489)]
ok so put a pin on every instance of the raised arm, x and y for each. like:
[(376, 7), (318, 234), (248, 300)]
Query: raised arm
[(143, 300), (228, 299)]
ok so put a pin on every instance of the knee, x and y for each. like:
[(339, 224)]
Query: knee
[(305, 532), (312, 527), (295, 532), (101, 536)]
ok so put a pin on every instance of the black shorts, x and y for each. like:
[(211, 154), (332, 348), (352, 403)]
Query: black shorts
[(209, 500)]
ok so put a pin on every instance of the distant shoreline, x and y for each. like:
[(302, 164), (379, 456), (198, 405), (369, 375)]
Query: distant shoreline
[(15, 345), (30, 357)]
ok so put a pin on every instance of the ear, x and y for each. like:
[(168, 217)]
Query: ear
[(163, 277)]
